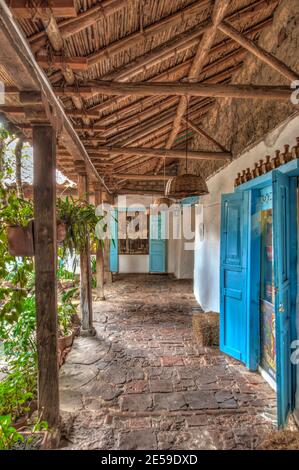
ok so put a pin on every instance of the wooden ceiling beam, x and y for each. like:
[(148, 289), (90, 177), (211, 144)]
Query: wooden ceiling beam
[(281, 93), (137, 177), (56, 40), (57, 61), (167, 153), (202, 53), (179, 44), (83, 20), (155, 28), (180, 68), (139, 191), (258, 51), (144, 104), (204, 134), (20, 66), (60, 8), (157, 108), (79, 128)]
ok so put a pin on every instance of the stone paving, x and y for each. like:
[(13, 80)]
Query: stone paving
[(144, 383)]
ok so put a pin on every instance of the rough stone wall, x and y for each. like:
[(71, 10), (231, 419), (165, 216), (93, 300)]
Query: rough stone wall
[(238, 123)]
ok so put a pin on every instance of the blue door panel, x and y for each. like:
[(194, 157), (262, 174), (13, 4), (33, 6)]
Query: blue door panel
[(233, 275), (157, 244), (113, 222), (284, 216)]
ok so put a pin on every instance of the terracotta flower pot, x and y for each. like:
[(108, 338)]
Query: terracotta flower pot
[(61, 231), (64, 342), (20, 240)]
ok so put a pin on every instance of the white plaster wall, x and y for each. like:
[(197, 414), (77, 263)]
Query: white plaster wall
[(133, 263), (207, 250), (182, 258)]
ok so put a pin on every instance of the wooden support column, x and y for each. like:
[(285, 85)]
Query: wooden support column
[(85, 267), (44, 148), (100, 272)]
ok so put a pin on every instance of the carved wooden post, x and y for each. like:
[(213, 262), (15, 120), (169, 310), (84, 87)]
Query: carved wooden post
[(98, 199), (85, 265), (44, 157)]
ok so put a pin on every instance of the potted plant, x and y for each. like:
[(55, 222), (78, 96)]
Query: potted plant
[(67, 330), (16, 214)]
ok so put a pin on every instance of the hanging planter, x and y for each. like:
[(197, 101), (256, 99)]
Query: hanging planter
[(61, 231), (20, 239)]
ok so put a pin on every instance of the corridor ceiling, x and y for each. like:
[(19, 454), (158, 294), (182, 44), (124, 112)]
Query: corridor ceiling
[(79, 43)]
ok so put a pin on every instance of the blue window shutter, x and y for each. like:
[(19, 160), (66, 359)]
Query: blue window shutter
[(157, 243), (113, 221), (233, 274), (284, 230)]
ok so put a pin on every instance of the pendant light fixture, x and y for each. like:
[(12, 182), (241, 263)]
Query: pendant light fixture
[(164, 200), (186, 185)]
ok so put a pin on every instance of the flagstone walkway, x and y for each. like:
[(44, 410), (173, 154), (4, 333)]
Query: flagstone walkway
[(144, 383)]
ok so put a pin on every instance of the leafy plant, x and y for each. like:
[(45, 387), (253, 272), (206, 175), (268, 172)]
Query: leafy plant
[(8, 434), (80, 220), (19, 346), (66, 310), (14, 210)]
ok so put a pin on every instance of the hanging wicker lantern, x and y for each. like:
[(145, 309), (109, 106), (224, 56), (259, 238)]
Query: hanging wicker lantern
[(163, 201), (186, 185)]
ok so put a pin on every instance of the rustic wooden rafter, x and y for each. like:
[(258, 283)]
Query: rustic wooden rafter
[(180, 89), (167, 153), (258, 51), (60, 8), (204, 47)]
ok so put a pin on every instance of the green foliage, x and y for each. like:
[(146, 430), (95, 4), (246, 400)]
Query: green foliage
[(8, 434), (40, 425), (14, 210), (80, 219), (19, 346), (66, 310), (15, 396)]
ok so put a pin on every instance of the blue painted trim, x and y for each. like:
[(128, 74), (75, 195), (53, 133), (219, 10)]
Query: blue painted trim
[(189, 201), (253, 283), (113, 259), (293, 267), (137, 208), (289, 169)]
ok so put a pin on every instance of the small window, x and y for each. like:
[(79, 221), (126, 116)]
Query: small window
[(133, 233)]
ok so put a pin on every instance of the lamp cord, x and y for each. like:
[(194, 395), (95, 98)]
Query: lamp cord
[(186, 142)]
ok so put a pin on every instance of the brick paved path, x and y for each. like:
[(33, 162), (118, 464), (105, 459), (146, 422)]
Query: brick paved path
[(144, 383)]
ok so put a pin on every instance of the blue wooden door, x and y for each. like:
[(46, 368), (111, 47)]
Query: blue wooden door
[(233, 274), (284, 231), (113, 225), (157, 243)]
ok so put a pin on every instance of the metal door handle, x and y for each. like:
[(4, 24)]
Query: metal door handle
[(281, 308)]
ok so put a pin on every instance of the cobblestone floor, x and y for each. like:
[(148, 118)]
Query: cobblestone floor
[(144, 383)]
